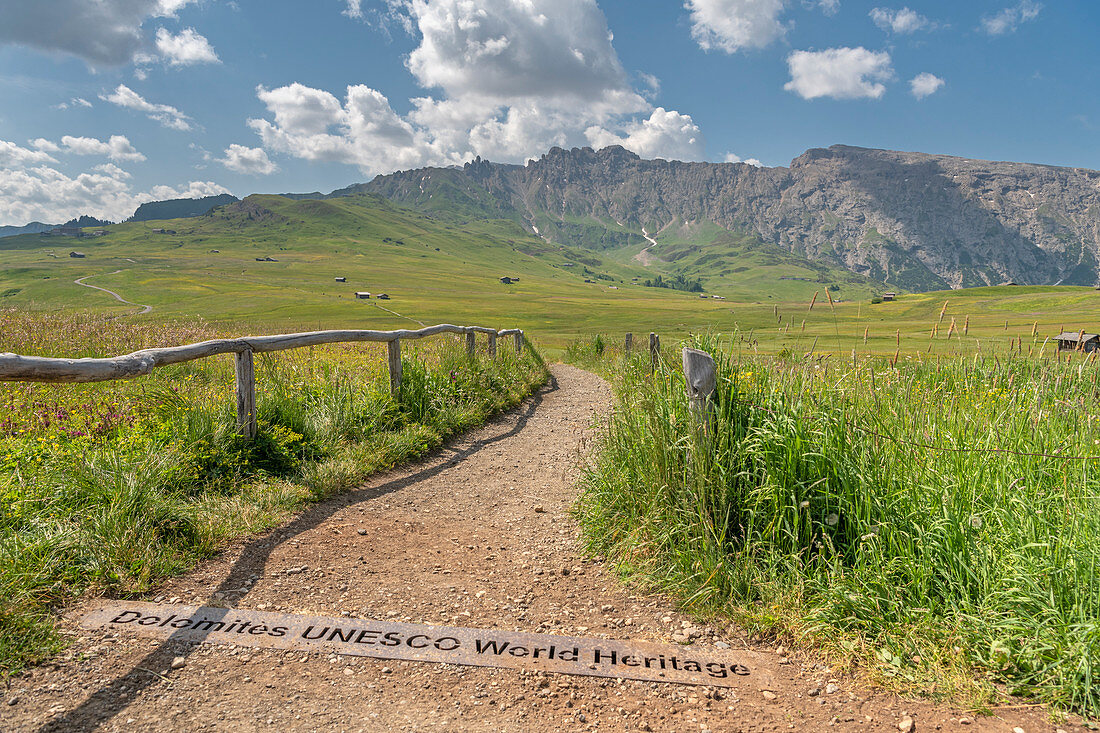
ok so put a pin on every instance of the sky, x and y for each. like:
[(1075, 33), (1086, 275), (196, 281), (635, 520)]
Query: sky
[(105, 104)]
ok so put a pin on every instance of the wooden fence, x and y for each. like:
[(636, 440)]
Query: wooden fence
[(17, 368)]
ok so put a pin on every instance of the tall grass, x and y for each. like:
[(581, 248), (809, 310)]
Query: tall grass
[(109, 488), (934, 520)]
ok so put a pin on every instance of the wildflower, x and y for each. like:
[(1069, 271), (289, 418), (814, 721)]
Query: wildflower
[(804, 505), (976, 522), (832, 518)]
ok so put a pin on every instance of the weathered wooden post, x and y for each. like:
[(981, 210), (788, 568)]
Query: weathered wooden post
[(517, 338), (246, 394), (702, 381), (395, 366), (654, 350), (471, 343), (492, 345), (628, 343)]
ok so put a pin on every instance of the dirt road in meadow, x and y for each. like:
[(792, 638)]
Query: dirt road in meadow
[(144, 308), (476, 535)]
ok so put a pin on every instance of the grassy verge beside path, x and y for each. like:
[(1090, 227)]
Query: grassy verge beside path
[(108, 488), (937, 524)]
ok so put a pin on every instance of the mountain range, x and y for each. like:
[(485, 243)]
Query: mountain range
[(152, 210), (910, 220)]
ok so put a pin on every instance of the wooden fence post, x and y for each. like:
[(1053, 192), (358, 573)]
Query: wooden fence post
[(701, 383), (246, 394), (518, 339), (628, 343), (492, 346), (654, 350), (471, 343), (395, 366)]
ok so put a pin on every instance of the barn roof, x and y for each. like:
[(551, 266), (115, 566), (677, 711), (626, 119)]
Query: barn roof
[(1074, 335)]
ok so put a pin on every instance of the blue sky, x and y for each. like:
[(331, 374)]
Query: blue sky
[(109, 103)]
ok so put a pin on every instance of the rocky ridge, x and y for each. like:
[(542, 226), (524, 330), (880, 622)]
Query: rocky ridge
[(913, 220)]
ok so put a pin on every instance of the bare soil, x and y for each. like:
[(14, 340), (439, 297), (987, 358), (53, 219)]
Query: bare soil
[(478, 534)]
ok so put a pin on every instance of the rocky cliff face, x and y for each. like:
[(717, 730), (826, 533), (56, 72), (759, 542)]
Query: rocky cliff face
[(916, 221)]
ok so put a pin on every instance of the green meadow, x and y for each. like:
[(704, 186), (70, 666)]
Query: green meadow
[(440, 269)]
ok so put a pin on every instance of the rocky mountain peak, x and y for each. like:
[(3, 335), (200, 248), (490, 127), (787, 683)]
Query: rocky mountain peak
[(913, 220)]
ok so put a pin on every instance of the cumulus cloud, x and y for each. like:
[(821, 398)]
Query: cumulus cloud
[(104, 32), (117, 148), (829, 7), (734, 25), (901, 21), (41, 143), (840, 73), (924, 84), (665, 134), (251, 161), (186, 48), (46, 194), (14, 156), (735, 158), (1007, 20), (193, 190), (503, 49), (507, 79), (166, 115)]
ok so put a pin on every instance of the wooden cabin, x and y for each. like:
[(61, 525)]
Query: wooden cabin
[(341, 279), (1078, 341), (362, 295), (888, 296)]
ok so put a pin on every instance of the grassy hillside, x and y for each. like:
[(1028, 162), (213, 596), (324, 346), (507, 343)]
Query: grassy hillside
[(433, 269), (446, 270)]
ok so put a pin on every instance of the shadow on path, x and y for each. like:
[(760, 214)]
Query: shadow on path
[(111, 699)]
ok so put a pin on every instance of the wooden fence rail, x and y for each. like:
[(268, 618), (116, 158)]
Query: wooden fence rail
[(18, 368)]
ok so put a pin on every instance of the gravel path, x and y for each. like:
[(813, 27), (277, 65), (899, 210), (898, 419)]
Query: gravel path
[(144, 308), (478, 535)]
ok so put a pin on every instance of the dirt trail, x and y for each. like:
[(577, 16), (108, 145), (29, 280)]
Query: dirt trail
[(144, 308), (478, 535)]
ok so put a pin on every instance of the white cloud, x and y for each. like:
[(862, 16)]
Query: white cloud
[(186, 48), (354, 9), (829, 7), (46, 194), (193, 190), (665, 134), (102, 32), (112, 170), (901, 21), (117, 148), (1007, 20), (733, 25), (166, 115), (41, 143), (510, 78), (504, 49), (169, 8), (840, 73), (74, 102), (735, 158), (14, 156), (251, 161), (924, 84)]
